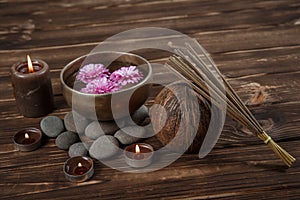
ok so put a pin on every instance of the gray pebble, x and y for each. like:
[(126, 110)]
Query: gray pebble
[(104, 147), (136, 118), (87, 142), (77, 149), (52, 126), (75, 122), (66, 139), (130, 134), (96, 129), (140, 115)]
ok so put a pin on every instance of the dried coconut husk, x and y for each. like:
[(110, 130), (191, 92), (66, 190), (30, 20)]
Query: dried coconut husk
[(176, 100)]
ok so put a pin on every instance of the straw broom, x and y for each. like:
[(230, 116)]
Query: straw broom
[(206, 79)]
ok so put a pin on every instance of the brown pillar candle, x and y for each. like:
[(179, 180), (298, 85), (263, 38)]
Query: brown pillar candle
[(32, 87)]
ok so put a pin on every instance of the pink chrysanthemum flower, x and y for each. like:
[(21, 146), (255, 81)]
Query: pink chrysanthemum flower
[(126, 75), (100, 86), (90, 72)]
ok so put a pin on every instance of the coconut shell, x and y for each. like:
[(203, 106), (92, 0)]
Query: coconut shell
[(180, 111)]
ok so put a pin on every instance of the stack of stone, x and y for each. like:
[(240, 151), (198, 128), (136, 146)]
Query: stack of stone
[(98, 138)]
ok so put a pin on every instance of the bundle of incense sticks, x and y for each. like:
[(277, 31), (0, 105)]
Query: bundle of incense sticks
[(198, 69)]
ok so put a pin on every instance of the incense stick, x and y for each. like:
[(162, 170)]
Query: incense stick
[(206, 79)]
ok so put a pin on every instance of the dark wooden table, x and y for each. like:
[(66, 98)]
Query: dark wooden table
[(256, 44)]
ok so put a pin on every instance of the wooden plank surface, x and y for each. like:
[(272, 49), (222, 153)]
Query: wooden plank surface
[(256, 44)]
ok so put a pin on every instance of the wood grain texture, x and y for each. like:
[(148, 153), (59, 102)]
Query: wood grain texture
[(256, 45)]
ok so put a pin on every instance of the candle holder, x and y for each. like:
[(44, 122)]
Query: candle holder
[(78, 169), (28, 139), (32, 87), (138, 155)]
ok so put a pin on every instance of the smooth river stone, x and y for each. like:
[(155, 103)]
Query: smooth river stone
[(75, 122), (136, 133), (52, 126), (96, 129), (87, 142), (104, 147), (66, 139), (77, 149), (136, 118)]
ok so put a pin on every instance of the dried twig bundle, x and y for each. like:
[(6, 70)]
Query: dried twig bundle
[(206, 79)]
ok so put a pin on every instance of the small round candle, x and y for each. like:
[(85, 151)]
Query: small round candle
[(78, 169), (138, 155), (32, 87), (28, 139)]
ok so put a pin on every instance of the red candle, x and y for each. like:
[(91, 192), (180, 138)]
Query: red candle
[(32, 87), (78, 169), (28, 139), (138, 155)]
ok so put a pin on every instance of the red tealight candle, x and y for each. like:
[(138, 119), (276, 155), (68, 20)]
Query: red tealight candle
[(32, 87), (28, 139), (78, 169), (138, 155)]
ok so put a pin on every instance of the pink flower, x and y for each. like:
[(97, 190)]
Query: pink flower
[(91, 72), (100, 86), (98, 79), (126, 75)]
